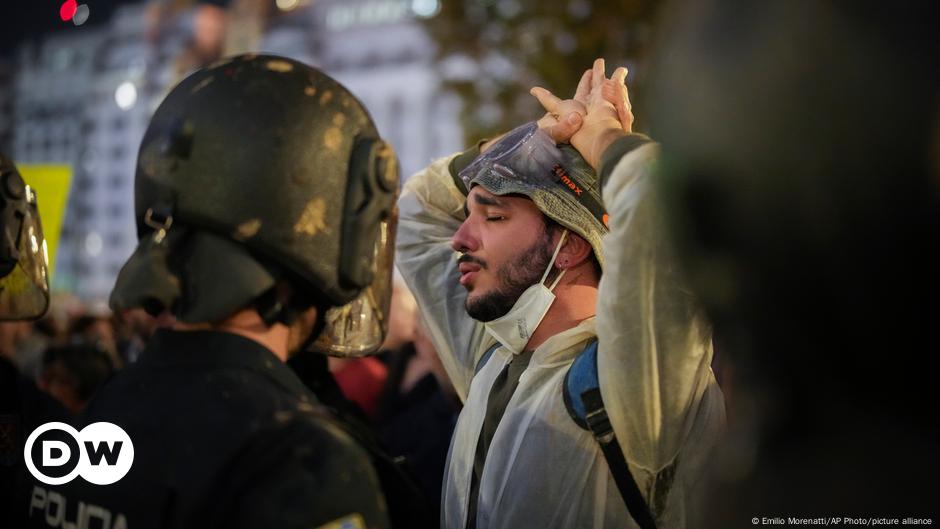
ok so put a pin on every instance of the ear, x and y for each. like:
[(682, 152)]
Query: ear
[(574, 252)]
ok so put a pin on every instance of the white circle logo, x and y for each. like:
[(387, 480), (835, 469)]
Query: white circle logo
[(102, 453)]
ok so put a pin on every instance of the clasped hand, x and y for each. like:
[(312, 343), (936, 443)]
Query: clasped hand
[(598, 114)]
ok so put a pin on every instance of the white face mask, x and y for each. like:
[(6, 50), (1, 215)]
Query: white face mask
[(514, 329)]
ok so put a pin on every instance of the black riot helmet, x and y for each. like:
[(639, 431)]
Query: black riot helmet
[(24, 274), (259, 169)]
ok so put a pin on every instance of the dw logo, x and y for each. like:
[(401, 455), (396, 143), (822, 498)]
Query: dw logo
[(102, 453)]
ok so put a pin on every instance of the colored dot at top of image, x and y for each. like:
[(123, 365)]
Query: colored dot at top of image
[(67, 10)]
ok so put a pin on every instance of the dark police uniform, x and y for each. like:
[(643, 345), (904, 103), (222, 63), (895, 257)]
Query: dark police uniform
[(224, 435)]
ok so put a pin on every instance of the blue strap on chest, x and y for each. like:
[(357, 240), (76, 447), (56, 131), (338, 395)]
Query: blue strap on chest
[(581, 377), (485, 358), (582, 395)]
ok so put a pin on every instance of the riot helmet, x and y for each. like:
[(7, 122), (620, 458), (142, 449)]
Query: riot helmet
[(259, 169), (24, 273)]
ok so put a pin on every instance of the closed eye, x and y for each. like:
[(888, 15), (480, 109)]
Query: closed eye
[(495, 218)]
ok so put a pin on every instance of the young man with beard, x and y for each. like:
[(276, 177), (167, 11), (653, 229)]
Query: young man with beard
[(509, 256)]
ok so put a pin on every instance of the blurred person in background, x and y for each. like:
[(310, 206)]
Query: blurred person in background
[(219, 28), (354, 390), (801, 172), (133, 329), (95, 328), (21, 344), (206, 41), (363, 379), (417, 411), (263, 197), (73, 373), (480, 234)]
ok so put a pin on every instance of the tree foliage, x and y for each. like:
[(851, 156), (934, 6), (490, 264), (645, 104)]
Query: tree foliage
[(491, 52)]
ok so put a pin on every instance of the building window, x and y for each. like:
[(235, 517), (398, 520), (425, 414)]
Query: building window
[(116, 239), (84, 213), (116, 211), (85, 183), (82, 269)]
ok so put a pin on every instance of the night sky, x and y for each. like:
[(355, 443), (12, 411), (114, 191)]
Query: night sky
[(30, 19)]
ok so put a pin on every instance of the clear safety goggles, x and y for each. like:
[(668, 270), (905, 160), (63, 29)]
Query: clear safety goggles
[(526, 160), (524, 154)]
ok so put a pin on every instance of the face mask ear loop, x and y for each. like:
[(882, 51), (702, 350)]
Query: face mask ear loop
[(561, 243)]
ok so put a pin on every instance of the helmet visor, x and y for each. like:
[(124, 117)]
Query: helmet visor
[(358, 328), (24, 290)]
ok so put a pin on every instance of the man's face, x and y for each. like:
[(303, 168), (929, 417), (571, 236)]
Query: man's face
[(506, 248)]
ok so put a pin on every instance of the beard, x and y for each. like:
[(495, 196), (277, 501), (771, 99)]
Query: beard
[(514, 278)]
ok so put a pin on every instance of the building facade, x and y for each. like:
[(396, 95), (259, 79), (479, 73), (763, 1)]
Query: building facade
[(84, 96)]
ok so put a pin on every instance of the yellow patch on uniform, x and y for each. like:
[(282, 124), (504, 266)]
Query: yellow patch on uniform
[(326, 97), (339, 118), (350, 521), (247, 229), (313, 219), (310, 91)]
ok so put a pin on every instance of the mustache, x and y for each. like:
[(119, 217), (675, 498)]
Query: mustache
[(467, 258)]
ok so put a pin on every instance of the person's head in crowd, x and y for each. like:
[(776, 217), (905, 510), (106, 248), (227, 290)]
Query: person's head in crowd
[(135, 322), (533, 213), (11, 334), (402, 315), (269, 254), (93, 329), (132, 330), (427, 355), (72, 373)]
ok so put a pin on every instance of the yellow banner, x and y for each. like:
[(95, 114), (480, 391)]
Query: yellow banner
[(51, 184)]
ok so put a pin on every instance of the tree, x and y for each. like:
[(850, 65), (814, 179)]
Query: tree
[(491, 52)]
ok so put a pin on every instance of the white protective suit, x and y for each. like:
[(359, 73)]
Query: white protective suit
[(542, 470)]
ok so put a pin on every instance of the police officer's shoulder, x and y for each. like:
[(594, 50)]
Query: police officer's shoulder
[(300, 471)]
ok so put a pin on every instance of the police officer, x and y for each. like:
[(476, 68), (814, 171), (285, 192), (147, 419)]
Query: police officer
[(264, 201)]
